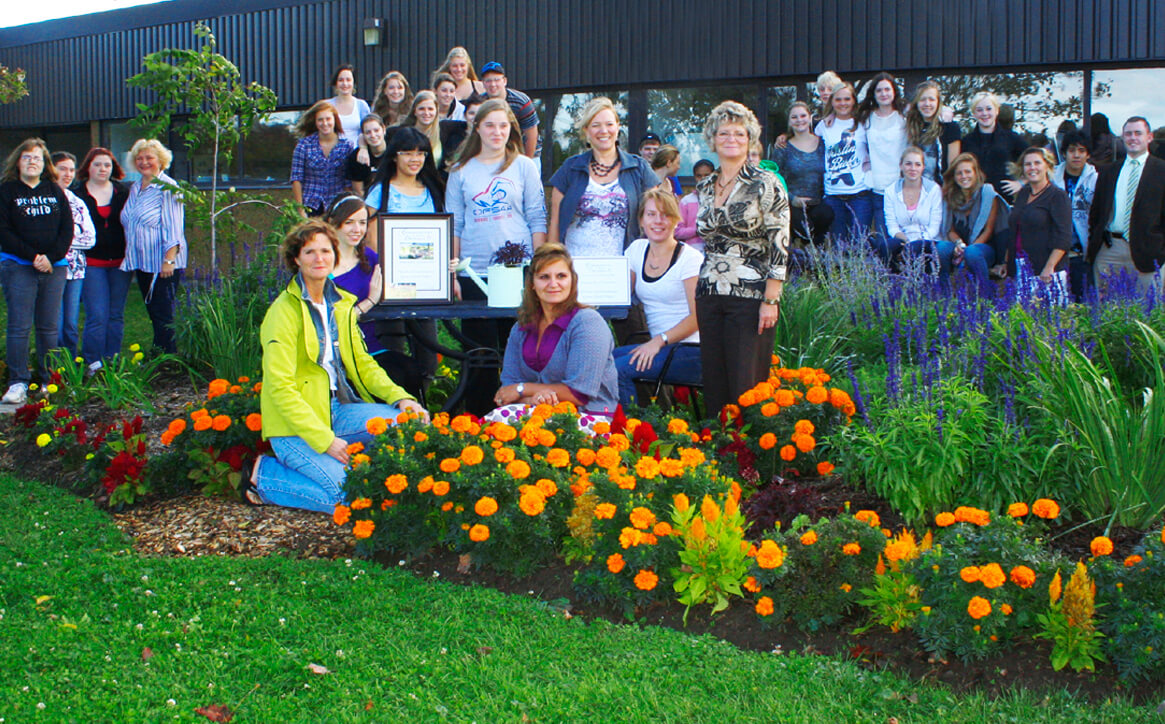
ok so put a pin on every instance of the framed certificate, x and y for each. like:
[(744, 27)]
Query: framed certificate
[(603, 280), (415, 258)]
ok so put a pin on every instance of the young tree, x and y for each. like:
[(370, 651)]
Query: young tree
[(222, 108), (12, 87)]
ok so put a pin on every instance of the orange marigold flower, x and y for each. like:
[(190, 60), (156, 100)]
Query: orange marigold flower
[(808, 538), (447, 507), (376, 426), (177, 427), (359, 459), (472, 455), (545, 437), (804, 427), (461, 423), (630, 537), (677, 426), (167, 437), (647, 467), (450, 465), (751, 585), (216, 388), (1006, 609), (605, 511), (504, 455), (788, 453), (518, 469), (1100, 546), (868, 517), (785, 398), (396, 484), (970, 574), (485, 506), (363, 528), (479, 533), (824, 467), (607, 457), (615, 562), (221, 422), (851, 549), (764, 606), (767, 441), (532, 502), (642, 518), (805, 443), (341, 514), (838, 398), (1017, 510), (816, 395), (747, 398), (992, 575), (1132, 561), (770, 409), (558, 458), (846, 587), (646, 580), (602, 427), (503, 432), (691, 457), (770, 555), (419, 436), (1046, 508), (619, 442), (257, 387), (731, 411), (671, 468), (440, 488), (681, 502), (585, 456), (235, 389), (978, 607), (943, 520), (254, 422), (547, 487), (662, 529), (1023, 576), (355, 447), (975, 516), (361, 504)]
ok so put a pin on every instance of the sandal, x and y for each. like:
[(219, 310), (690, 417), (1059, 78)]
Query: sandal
[(247, 490)]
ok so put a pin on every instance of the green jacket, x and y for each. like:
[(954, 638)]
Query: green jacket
[(296, 394)]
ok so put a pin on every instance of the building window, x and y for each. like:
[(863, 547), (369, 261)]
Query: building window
[(566, 108), (677, 115)]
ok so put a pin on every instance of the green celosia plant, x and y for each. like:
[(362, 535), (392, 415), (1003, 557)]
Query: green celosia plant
[(713, 554)]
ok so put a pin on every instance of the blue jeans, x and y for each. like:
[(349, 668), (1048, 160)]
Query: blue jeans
[(160, 303), (70, 310), (299, 477), (104, 296), (878, 213), (977, 259), (33, 298), (851, 214), (685, 368)]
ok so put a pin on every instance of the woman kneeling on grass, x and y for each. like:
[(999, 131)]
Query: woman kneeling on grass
[(318, 381)]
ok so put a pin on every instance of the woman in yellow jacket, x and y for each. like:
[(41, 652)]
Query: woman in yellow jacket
[(318, 381)]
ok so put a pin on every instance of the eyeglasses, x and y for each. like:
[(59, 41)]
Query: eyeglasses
[(30, 157)]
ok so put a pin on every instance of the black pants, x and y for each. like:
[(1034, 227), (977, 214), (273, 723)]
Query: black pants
[(160, 303), (490, 333), (810, 224), (734, 357)]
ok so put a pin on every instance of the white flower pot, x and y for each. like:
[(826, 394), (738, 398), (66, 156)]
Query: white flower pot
[(505, 285)]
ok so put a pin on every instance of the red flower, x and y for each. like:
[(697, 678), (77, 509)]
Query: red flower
[(643, 436), (618, 420)]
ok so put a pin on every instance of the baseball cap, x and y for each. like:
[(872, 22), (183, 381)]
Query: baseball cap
[(492, 67)]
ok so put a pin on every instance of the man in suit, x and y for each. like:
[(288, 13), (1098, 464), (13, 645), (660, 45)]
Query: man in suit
[(1127, 220)]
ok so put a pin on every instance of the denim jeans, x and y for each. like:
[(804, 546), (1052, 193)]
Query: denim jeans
[(160, 303), (70, 310), (299, 477), (878, 213), (977, 259), (33, 298), (104, 296), (851, 214), (685, 368)]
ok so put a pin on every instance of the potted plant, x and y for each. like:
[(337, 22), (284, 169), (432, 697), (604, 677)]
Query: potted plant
[(505, 271)]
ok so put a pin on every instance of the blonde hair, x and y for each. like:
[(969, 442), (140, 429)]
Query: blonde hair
[(152, 144), (731, 112), (954, 194), (472, 145), (594, 107), (829, 80), (665, 155), (1049, 161), (829, 107), (912, 151), (434, 130), (455, 52), (919, 130), (985, 96), (664, 200)]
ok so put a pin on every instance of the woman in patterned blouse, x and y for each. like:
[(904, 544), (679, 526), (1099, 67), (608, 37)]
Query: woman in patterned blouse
[(320, 159), (155, 237), (744, 221)]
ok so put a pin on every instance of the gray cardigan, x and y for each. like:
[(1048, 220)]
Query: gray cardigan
[(582, 361)]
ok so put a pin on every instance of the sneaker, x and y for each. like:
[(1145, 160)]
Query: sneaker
[(93, 369), (17, 394)]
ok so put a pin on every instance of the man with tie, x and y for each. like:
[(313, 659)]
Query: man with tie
[(1127, 221)]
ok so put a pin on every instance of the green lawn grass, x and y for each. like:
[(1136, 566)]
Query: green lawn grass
[(78, 607)]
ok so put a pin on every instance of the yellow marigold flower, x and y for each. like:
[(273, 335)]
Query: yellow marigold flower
[(1045, 508), (642, 518), (662, 529), (361, 504), (767, 441), (788, 453), (992, 575), (646, 580), (680, 501), (808, 538), (532, 503), (1100, 546), (363, 528), (607, 457), (677, 426), (479, 533), (764, 606), (751, 585), (1017, 510), (770, 555), (851, 549), (396, 484), (440, 488), (1023, 576), (615, 562), (485, 506), (943, 520), (978, 607), (970, 574), (43, 439), (868, 517)]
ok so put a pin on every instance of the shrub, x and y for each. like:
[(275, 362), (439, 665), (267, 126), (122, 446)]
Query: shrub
[(1134, 631)]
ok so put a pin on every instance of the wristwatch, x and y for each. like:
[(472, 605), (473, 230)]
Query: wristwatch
[(663, 336), (521, 388), (773, 302)]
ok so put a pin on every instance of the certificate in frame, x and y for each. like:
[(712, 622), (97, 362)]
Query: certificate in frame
[(414, 258), (603, 280)]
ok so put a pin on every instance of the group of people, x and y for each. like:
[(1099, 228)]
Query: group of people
[(75, 234)]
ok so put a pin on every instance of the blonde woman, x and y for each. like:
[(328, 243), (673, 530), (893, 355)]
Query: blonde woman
[(423, 117), (925, 128), (458, 65), (1041, 220), (995, 147)]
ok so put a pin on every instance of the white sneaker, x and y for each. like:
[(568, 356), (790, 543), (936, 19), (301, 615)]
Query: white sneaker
[(17, 394)]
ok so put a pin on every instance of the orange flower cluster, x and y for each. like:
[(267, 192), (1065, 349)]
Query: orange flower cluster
[(1100, 546), (868, 517), (605, 511), (176, 428), (851, 549), (615, 562), (531, 501), (809, 538), (1132, 561), (646, 580), (341, 515), (1046, 509), (992, 575), (1023, 576), (751, 585), (770, 555), (631, 537), (479, 533), (764, 606), (975, 516), (363, 528), (216, 388), (978, 608)]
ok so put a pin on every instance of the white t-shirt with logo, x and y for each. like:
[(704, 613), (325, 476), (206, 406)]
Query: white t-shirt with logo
[(846, 156)]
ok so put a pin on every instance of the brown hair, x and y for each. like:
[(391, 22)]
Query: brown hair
[(344, 206), (12, 164), (300, 235), (307, 124), (391, 112), (472, 145), (340, 69), (83, 170), (531, 310), (954, 194), (664, 200), (919, 130), (664, 156)]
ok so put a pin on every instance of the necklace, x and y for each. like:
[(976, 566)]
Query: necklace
[(601, 169), (655, 266), (1035, 194)]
